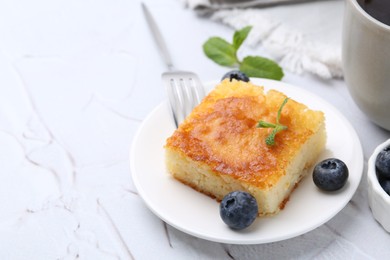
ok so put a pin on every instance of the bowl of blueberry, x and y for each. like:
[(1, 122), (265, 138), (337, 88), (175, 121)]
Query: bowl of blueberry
[(378, 176)]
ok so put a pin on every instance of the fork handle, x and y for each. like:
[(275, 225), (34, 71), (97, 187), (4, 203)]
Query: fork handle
[(158, 37)]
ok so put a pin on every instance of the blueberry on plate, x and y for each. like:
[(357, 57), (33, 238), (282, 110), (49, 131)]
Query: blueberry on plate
[(238, 209), (237, 75), (382, 163), (330, 174)]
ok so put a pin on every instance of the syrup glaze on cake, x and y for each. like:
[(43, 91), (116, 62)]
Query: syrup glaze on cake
[(218, 148)]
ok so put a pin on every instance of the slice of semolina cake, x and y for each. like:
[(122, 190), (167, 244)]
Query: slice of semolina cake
[(219, 149)]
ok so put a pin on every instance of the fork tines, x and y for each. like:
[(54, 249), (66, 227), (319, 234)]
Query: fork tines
[(185, 91)]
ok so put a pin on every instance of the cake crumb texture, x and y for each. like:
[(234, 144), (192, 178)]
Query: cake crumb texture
[(218, 148)]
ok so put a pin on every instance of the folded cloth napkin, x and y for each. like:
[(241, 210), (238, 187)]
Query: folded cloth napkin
[(303, 38), (207, 6)]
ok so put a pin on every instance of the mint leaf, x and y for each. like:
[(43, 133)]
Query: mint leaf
[(240, 36), (259, 67), (225, 54), (264, 124), (270, 140), (220, 51), (280, 110), (277, 127)]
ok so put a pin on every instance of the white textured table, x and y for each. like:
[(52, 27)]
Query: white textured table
[(76, 80)]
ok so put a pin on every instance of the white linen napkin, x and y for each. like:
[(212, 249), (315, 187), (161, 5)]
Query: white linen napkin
[(303, 38)]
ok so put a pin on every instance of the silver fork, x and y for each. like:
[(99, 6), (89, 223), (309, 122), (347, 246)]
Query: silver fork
[(184, 89)]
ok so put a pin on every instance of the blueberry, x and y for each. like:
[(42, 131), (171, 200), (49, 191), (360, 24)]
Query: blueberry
[(238, 209), (382, 163), (330, 174), (385, 183), (237, 75)]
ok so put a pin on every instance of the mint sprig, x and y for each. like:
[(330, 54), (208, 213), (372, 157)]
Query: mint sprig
[(225, 54), (270, 140)]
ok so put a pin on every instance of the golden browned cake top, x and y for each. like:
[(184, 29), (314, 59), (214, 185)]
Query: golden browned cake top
[(222, 132)]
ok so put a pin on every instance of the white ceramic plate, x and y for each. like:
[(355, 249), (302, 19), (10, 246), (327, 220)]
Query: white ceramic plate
[(198, 215)]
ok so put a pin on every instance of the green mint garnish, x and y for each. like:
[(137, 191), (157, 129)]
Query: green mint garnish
[(225, 54), (270, 140)]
